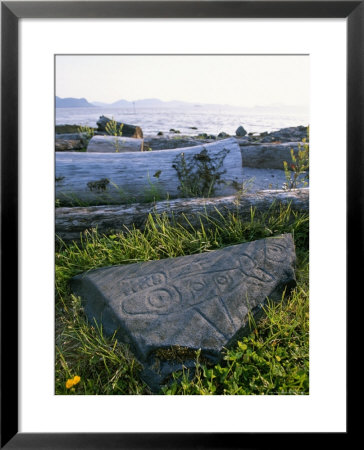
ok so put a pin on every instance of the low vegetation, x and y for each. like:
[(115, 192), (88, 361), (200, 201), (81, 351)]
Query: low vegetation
[(297, 171), (198, 174), (113, 129), (64, 129), (87, 132), (273, 359)]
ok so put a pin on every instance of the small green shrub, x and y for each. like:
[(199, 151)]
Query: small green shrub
[(297, 172), (154, 192), (86, 132), (199, 173), (113, 129)]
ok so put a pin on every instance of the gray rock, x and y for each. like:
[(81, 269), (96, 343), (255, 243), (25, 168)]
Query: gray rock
[(241, 131), (127, 130), (71, 136), (66, 145), (291, 134), (222, 135), (167, 309), (70, 141), (246, 140)]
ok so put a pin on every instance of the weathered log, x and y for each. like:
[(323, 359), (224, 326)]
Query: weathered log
[(71, 222), (114, 144), (116, 178), (264, 156), (127, 130), (169, 143), (254, 154), (66, 145)]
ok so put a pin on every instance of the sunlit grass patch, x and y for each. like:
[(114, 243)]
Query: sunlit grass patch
[(273, 359)]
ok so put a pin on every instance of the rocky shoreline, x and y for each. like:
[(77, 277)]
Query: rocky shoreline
[(68, 137), (264, 150)]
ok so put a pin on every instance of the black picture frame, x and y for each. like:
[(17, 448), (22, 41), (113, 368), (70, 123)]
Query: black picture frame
[(11, 12)]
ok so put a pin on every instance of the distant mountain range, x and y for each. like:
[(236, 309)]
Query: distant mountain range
[(71, 102), (144, 103)]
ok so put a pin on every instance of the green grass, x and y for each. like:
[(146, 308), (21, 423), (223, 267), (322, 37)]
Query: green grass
[(273, 359), (61, 129)]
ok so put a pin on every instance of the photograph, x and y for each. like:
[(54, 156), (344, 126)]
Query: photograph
[(181, 224)]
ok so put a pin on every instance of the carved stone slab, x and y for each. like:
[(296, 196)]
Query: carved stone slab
[(166, 309)]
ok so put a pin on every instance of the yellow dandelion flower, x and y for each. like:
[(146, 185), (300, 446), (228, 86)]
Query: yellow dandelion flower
[(76, 379), (69, 384)]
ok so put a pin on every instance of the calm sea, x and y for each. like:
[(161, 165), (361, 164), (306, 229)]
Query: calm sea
[(211, 120)]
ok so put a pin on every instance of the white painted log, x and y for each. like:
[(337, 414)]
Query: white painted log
[(117, 178), (71, 222), (114, 144)]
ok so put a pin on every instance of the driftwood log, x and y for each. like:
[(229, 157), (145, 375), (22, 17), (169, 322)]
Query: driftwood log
[(257, 155), (114, 144), (117, 178), (268, 156), (71, 222), (127, 130)]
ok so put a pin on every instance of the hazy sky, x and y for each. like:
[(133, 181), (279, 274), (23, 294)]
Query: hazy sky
[(234, 80)]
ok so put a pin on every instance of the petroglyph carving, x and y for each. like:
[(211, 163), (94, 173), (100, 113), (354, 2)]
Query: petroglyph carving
[(195, 302)]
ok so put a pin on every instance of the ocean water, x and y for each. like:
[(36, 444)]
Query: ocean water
[(211, 120)]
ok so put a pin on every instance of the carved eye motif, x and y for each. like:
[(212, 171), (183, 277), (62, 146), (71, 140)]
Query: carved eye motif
[(250, 269), (157, 301), (275, 252), (223, 280), (160, 298), (197, 286)]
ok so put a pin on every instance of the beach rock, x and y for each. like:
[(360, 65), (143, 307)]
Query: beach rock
[(222, 135), (291, 134), (167, 309), (72, 136), (246, 140), (241, 131), (70, 141), (66, 145), (127, 130)]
